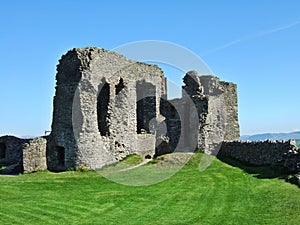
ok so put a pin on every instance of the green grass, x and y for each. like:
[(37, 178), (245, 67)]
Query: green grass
[(221, 194), (132, 160)]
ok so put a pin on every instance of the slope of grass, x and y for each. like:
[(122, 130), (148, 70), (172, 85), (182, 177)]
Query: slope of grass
[(221, 194)]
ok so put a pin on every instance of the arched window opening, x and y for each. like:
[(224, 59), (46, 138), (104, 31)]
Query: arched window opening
[(146, 105), (119, 86), (102, 109)]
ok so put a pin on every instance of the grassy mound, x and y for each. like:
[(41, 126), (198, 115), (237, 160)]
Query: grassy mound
[(221, 194)]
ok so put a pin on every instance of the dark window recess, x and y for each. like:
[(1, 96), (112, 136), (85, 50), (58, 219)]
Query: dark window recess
[(102, 109), (60, 151), (146, 105), (2, 150), (119, 86)]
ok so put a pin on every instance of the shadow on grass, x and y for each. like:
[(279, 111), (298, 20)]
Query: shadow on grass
[(263, 172)]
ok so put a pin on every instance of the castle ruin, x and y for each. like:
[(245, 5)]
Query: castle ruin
[(107, 107)]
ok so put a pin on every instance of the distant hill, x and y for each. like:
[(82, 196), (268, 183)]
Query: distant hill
[(272, 136)]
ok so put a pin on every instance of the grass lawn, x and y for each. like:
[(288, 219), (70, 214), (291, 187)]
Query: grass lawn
[(221, 194)]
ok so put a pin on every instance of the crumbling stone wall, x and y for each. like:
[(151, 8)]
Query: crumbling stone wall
[(107, 107), (145, 145), (232, 127), (11, 154), (11, 149), (22, 155), (213, 128), (206, 115), (34, 155), (263, 153), (207, 112), (97, 105)]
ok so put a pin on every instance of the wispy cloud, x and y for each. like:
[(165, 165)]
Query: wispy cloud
[(252, 36), (277, 29)]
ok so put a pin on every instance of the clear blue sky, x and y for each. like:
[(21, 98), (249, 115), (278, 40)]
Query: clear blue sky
[(255, 44)]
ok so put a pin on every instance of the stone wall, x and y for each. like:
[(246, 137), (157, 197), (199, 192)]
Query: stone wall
[(34, 155), (203, 118), (22, 155), (216, 107), (263, 153), (145, 145), (107, 107), (232, 126), (101, 105), (214, 126), (11, 154)]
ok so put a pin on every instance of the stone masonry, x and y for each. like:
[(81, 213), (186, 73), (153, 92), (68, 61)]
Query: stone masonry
[(22, 155), (34, 155), (282, 154), (204, 117), (107, 107), (102, 109), (11, 154)]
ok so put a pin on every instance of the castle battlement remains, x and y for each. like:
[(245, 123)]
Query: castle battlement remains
[(107, 107)]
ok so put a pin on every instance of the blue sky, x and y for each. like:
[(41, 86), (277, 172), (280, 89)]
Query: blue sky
[(252, 43)]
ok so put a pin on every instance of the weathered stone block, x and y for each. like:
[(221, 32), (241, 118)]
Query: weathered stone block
[(34, 155)]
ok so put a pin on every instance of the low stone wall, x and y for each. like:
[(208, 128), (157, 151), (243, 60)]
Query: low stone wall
[(22, 155), (29, 155), (262, 153), (11, 154), (145, 145), (34, 155)]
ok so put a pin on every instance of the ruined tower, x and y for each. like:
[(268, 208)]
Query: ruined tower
[(107, 107), (103, 106), (217, 108)]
